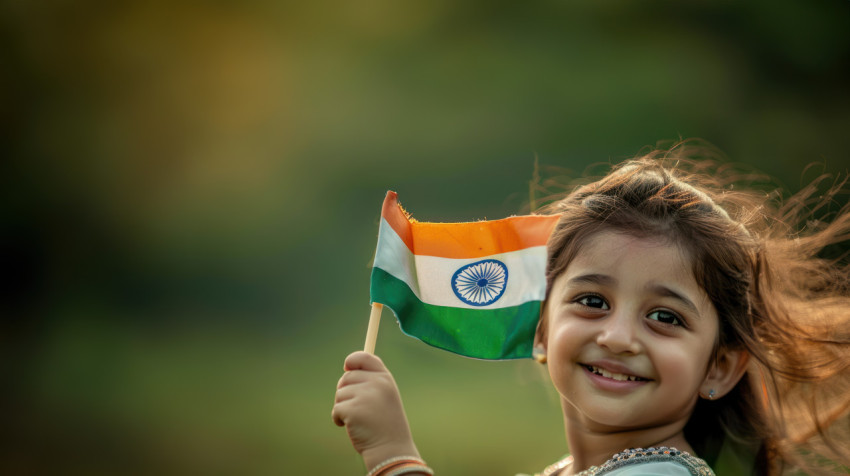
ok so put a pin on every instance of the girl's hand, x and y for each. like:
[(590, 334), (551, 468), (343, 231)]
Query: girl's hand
[(369, 405)]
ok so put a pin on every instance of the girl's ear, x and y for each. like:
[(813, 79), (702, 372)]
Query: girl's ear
[(540, 336), (725, 372), (540, 333)]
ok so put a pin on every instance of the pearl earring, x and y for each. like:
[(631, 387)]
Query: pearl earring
[(538, 353)]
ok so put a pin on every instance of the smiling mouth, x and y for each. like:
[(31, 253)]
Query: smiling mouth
[(613, 375)]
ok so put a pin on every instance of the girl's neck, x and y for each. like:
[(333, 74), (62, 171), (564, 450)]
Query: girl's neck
[(592, 448)]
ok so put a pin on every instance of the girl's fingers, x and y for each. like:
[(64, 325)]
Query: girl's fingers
[(364, 361), (344, 380), (339, 413), (343, 394), (352, 377), (360, 367)]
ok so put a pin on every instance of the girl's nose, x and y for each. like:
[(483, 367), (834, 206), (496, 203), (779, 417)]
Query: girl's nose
[(618, 333)]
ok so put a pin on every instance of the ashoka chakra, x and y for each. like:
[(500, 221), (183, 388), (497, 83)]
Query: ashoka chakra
[(480, 283)]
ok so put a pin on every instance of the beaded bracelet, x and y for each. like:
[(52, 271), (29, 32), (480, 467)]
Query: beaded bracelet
[(400, 465), (409, 468)]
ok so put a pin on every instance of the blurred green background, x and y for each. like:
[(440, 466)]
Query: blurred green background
[(192, 191)]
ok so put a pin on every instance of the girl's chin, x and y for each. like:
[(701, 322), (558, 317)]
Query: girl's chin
[(608, 420), (608, 415)]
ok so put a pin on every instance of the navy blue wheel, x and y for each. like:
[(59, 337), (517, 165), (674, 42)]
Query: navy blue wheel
[(480, 283)]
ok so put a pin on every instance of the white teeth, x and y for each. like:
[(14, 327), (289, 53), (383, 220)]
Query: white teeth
[(612, 375)]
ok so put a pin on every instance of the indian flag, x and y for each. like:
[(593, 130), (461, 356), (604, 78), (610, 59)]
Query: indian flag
[(471, 288)]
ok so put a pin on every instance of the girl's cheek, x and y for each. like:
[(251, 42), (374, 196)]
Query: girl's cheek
[(563, 339)]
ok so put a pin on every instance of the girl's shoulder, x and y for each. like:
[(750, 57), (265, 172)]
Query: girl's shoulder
[(638, 461)]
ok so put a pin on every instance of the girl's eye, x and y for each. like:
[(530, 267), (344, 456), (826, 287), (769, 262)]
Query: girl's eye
[(593, 301), (665, 317)]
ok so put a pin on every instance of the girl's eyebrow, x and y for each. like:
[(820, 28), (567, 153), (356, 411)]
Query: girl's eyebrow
[(657, 289), (600, 279)]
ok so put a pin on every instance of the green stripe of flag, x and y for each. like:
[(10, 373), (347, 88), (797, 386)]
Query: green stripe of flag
[(506, 333)]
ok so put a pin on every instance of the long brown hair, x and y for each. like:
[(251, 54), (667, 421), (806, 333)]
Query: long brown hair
[(767, 266)]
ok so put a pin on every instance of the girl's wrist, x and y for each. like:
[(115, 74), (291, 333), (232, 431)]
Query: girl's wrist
[(372, 457), (401, 466)]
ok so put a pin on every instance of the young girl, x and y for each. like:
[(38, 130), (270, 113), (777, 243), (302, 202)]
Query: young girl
[(685, 322)]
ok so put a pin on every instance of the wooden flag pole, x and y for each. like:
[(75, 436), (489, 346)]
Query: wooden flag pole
[(372, 331)]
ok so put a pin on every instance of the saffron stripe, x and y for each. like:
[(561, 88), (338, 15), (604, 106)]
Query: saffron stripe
[(493, 334), (467, 240)]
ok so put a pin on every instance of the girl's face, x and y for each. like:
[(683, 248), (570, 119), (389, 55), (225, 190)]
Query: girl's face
[(630, 334)]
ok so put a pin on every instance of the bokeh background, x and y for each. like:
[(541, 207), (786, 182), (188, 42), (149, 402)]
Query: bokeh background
[(191, 194)]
